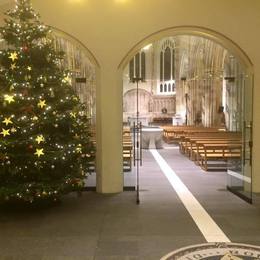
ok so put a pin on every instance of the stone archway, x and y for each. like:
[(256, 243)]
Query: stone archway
[(215, 36), (220, 39)]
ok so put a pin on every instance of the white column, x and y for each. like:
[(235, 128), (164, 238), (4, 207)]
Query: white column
[(109, 131)]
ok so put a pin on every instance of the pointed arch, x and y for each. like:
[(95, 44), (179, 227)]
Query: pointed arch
[(215, 36)]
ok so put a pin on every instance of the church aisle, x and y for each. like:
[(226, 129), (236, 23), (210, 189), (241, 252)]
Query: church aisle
[(238, 219), (104, 227)]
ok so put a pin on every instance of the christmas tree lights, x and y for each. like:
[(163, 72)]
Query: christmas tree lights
[(45, 141)]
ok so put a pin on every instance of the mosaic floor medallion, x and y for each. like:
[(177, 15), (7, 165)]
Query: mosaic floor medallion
[(216, 251)]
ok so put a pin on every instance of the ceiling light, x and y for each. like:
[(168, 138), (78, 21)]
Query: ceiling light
[(121, 1), (147, 47)]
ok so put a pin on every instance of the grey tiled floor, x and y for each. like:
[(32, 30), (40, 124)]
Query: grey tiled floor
[(104, 227)]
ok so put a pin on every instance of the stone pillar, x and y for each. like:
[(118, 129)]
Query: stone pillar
[(109, 131)]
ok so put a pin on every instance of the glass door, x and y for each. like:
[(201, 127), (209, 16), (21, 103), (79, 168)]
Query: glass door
[(239, 171), (132, 144)]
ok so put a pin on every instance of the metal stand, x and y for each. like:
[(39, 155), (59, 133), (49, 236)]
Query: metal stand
[(137, 143)]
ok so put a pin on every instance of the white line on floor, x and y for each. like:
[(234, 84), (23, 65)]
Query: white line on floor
[(205, 223), (239, 176)]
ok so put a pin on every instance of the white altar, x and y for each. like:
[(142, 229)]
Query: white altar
[(152, 138)]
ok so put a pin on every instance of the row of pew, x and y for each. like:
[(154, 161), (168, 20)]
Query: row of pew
[(210, 148), (127, 149), (173, 134)]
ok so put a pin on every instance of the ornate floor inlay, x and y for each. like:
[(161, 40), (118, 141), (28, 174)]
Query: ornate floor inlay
[(216, 251)]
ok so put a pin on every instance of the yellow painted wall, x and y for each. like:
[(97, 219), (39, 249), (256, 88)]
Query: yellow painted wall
[(110, 28)]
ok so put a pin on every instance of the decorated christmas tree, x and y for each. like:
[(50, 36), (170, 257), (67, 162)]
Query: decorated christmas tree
[(45, 141)]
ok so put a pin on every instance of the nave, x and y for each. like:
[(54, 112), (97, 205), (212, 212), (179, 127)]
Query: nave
[(101, 227)]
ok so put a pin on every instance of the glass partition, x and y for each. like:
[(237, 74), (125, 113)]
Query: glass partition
[(240, 167)]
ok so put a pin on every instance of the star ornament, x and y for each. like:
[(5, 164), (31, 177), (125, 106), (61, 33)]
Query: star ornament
[(29, 68), (73, 114), (42, 104), (40, 139), (9, 98), (79, 149), (7, 121), (13, 56), (13, 66), (39, 152), (67, 79), (5, 132)]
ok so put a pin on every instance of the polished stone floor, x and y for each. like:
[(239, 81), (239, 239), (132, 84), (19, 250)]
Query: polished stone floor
[(102, 227)]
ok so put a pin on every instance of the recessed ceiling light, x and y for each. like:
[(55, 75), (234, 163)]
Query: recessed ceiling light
[(76, 1), (121, 1)]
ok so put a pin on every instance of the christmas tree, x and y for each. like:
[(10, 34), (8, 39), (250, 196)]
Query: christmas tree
[(45, 141)]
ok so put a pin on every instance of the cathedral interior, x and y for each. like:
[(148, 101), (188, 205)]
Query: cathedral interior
[(187, 80), (186, 185)]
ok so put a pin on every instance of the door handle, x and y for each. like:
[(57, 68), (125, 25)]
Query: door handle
[(251, 143), (134, 144), (244, 143), (141, 145)]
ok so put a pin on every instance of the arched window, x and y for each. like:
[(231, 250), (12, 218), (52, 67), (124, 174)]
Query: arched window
[(173, 87), (173, 64), (161, 88), (161, 66), (167, 66), (143, 66), (137, 67), (131, 69)]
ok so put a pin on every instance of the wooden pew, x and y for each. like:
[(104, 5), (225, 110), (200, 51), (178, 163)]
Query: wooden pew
[(127, 149), (197, 147), (191, 144), (176, 133), (186, 144), (127, 156), (218, 153)]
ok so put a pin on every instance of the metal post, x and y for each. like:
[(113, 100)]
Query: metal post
[(138, 145), (138, 165), (134, 143)]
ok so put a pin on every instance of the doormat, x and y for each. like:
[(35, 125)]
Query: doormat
[(216, 251)]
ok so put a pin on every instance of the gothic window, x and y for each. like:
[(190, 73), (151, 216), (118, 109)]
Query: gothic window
[(137, 67), (161, 66), (161, 88), (167, 66), (173, 87), (143, 66), (131, 69), (173, 64)]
